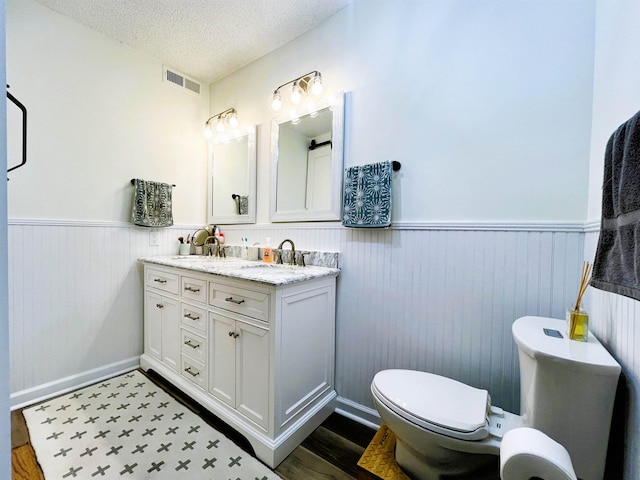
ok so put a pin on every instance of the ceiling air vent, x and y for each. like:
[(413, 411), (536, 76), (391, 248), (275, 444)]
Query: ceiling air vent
[(181, 81), (173, 77), (191, 85)]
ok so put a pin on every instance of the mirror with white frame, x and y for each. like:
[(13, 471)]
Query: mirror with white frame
[(306, 164), (232, 179)]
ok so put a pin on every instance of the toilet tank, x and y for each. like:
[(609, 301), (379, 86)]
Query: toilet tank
[(567, 390)]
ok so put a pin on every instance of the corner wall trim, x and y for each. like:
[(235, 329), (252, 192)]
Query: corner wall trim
[(508, 226), (359, 413), (592, 226), (36, 394), (479, 225)]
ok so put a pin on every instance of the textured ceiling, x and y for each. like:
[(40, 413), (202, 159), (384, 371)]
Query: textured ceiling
[(204, 39)]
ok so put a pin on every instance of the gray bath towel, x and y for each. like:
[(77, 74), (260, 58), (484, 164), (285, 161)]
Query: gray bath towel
[(616, 267), (151, 204)]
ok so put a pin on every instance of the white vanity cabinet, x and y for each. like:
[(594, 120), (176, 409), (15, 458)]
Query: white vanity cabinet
[(162, 321), (259, 355), (239, 372)]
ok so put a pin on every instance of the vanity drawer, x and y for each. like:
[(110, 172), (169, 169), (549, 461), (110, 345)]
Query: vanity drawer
[(165, 281), (194, 289), (247, 302), (194, 317), (194, 345), (194, 371)]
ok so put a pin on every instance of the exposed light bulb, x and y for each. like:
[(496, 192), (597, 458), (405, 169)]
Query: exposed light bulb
[(296, 93), (276, 101), (315, 85), (232, 120), (219, 125)]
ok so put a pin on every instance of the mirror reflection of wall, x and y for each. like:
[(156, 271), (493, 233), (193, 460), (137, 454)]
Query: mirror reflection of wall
[(319, 173), (307, 163), (235, 173), (304, 170), (232, 180)]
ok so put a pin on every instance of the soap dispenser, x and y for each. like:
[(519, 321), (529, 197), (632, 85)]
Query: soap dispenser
[(266, 252)]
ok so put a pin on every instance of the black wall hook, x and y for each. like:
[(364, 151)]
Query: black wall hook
[(24, 129)]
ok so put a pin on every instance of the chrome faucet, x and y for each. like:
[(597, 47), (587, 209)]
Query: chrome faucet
[(217, 248), (292, 259)]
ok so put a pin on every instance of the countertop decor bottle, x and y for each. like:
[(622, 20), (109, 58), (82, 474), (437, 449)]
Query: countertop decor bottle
[(578, 319), (266, 252), (244, 253)]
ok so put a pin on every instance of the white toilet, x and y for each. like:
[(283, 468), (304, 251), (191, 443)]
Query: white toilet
[(445, 428)]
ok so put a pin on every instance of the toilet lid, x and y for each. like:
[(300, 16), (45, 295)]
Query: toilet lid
[(429, 399)]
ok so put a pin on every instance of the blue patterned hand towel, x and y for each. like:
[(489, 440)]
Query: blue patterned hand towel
[(151, 204), (367, 195)]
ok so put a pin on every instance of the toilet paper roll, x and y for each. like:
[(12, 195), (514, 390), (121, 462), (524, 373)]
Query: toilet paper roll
[(528, 453)]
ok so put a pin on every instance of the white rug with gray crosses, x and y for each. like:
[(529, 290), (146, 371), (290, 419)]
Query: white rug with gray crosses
[(129, 428)]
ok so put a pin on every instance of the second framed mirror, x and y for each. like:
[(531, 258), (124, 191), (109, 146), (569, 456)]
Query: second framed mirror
[(306, 164)]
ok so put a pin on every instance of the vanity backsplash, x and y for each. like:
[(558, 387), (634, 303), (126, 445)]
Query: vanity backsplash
[(318, 259)]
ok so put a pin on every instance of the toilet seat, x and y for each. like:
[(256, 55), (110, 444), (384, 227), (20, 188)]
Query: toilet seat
[(436, 403)]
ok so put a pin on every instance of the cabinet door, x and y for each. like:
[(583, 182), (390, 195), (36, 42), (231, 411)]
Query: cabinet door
[(170, 332), (222, 358), (252, 373), (153, 324)]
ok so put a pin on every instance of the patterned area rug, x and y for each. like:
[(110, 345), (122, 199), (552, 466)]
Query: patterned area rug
[(129, 428)]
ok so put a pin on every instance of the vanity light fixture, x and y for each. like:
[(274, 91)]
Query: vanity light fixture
[(308, 83), (220, 121)]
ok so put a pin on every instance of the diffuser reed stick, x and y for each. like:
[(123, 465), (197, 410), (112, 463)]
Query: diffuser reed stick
[(585, 278), (578, 321)]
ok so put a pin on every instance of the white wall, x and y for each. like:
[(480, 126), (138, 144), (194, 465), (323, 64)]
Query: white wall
[(5, 426), (486, 104), (615, 318), (615, 94), (99, 115)]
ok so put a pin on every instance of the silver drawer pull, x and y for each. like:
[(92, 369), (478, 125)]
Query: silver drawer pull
[(192, 345), (191, 372), (159, 280), (159, 305), (191, 289), (232, 300), (191, 317)]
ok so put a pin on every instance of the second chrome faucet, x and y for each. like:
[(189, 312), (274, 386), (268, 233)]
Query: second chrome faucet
[(292, 258), (293, 251)]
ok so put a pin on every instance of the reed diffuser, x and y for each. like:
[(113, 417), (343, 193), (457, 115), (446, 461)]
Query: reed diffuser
[(578, 319)]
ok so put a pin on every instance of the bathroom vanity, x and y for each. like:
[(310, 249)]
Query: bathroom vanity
[(253, 343)]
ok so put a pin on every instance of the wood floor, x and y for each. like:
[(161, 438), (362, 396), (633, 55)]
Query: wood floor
[(330, 452)]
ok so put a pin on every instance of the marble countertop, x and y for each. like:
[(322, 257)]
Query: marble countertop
[(257, 271)]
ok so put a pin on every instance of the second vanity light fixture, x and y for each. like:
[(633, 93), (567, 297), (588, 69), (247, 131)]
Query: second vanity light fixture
[(308, 83), (220, 121)]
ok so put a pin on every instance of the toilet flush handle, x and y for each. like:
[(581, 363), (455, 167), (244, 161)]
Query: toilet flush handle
[(497, 411)]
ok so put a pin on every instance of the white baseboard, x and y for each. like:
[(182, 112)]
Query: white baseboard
[(36, 394), (359, 413)]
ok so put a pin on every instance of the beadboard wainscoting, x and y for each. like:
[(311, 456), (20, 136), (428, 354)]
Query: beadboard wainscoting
[(615, 320), (438, 297), (75, 302), (434, 297)]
